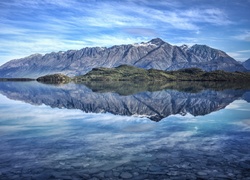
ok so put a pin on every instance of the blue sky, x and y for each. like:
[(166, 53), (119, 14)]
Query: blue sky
[(43, 26)]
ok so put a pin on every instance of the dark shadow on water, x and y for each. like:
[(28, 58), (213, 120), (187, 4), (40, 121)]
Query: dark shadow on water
[(129, 88)]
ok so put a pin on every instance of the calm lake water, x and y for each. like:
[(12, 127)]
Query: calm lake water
[(121, 131)]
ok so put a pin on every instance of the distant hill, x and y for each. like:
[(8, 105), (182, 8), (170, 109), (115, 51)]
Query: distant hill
[(134, 74), (156, 54), (54, 79), (246, 64), (130, 73)]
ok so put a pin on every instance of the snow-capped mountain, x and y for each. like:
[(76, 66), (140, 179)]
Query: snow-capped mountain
[(155, 54)]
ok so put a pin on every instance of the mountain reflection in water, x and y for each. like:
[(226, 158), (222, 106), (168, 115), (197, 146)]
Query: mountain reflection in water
[(38, 142), (152, 100)]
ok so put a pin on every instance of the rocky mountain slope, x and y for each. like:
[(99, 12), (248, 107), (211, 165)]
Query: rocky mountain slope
[(155, 54), (246, 64)]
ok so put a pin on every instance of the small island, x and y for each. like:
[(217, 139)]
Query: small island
[(54, 79)]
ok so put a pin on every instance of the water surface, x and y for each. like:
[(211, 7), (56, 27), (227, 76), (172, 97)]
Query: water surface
[(75, 132)]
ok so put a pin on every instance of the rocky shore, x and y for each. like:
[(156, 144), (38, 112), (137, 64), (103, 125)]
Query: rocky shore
[(160, 164)]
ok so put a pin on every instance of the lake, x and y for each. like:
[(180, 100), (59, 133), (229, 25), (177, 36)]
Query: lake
[(189, 130)]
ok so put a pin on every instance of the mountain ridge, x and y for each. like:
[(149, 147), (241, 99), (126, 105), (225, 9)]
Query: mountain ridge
[(246, 64), (156, 54)]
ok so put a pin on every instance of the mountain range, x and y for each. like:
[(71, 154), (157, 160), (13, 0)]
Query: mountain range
[(155, 54)]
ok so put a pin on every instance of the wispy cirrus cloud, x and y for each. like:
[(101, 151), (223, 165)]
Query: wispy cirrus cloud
[(141, 31), (213, 16), (244, 36), (73, 23), (244, 51), (240, 55), (117, 14)]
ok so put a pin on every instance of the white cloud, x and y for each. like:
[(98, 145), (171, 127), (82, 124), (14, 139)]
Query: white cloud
[(114, 14), (19, 49), (108, 40), (245, 36), (241, 55), (141, 31), (71, 24), (244, 51), (236, 55)]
